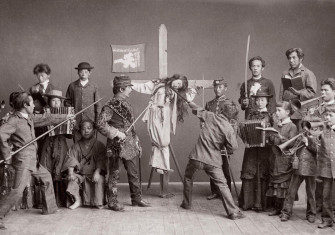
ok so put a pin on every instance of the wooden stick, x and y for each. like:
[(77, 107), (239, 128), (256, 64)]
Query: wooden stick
[(176, 163)]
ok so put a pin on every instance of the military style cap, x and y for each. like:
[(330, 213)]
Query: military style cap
[(220, 81), (122, 81)]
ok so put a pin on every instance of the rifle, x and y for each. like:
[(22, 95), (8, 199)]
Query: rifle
[(47, 132)]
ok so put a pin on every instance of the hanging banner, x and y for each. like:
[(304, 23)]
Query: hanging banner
[(128, 59)]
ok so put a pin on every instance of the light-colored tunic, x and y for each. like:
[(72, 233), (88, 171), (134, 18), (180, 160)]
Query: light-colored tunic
[(161, 119)]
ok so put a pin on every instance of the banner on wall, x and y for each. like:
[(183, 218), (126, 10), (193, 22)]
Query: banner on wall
[(128, 59)]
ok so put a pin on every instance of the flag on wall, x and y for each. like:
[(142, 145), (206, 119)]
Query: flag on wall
[(128, 59)]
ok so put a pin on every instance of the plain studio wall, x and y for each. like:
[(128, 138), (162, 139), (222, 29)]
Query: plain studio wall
[(205, 38)]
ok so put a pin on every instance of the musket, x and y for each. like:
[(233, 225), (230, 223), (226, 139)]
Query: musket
[(47, 132), (246, 69)]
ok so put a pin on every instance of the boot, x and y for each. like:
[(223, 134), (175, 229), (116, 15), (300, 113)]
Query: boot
[(164, 183)]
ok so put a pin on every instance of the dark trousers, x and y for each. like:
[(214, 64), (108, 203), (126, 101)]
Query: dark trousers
[(295, 183), (114, 177), (226, 172), (219, 180), (22, 176), (327, 207)]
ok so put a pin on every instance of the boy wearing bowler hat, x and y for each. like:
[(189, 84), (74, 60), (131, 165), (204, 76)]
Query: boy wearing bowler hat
[(80, 94)]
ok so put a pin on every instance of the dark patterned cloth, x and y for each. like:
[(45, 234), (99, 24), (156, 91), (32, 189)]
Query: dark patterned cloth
[(265, 84), (117, 113), (117, 116)]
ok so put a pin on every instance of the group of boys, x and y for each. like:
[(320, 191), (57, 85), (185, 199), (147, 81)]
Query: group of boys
[(217, 134)]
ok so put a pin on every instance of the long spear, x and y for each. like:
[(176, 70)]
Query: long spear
[(47, 132)]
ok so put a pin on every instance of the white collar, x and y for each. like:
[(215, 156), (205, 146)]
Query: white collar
[(285, 121), (25, 115), (83, 83), (263, 109), (45, 83)]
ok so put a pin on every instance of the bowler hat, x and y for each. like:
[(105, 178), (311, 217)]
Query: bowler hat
[(122, 81), (263, 92), (55, 93), (84, 65)]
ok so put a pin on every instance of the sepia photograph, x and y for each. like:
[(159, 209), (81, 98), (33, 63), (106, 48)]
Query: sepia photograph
[(179, 117)]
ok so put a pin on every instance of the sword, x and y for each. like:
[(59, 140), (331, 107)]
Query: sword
[(47, 132), (246, 69), (225, 153)]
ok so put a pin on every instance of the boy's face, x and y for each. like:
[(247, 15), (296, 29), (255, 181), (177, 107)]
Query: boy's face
[(328, 92), (294, 60), (87, 130), (330, 117), (55, 102), (256, 68), (30, 108), (84, 74), (42, 77), (281, 113), (127, 90), (261, 102), (219, 90)]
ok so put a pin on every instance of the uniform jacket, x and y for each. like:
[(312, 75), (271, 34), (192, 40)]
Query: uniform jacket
[(19, 131), (307, 162), (223, 105), (215, 134), (324, 145)]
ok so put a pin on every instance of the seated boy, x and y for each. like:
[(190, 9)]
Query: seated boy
[(215, 134), (85, 161)]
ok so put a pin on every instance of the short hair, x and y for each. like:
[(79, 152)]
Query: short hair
[(20, 100), (117, 89), (42, 68), (87, 120), (330, 82), (285, 105), (299, 52), (12, 97), (256, 58)]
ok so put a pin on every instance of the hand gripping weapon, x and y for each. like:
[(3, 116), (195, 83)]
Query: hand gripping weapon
[(47, 132)]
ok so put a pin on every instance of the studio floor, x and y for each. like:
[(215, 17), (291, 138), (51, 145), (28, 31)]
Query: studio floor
[(164, 217)]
